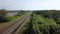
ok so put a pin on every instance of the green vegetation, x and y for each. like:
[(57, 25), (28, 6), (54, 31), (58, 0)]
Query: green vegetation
[(3, 13), (55, 14), (8, 17), (44, 22), (40, 22), (5, 18)]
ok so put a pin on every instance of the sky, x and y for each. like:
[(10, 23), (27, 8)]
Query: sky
[(30, 4)]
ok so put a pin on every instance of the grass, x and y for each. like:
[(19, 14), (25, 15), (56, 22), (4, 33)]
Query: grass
[(10, 18)]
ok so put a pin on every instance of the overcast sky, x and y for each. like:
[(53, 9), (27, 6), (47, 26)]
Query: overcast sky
[(29, 4)]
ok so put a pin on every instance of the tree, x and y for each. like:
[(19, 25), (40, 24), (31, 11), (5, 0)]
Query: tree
[(3, 13)]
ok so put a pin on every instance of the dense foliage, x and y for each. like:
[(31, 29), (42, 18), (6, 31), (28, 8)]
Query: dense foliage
[(3, 13), (55, 14), (44, 22)]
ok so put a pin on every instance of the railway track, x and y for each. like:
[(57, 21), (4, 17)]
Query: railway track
[(16, 26)]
